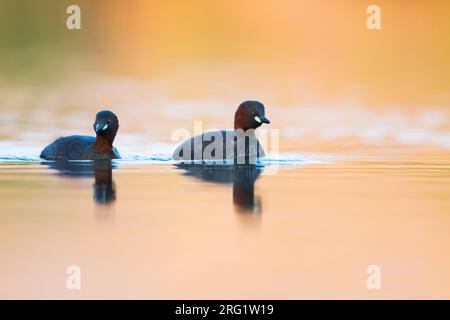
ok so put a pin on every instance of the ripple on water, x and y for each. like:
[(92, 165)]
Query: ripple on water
[(270, 160), (18, 154)]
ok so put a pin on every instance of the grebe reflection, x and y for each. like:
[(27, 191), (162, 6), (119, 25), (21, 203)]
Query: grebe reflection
[(242, 177), (101, 170)]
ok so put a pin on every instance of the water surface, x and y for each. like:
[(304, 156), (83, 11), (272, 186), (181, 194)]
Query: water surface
[(157, 230)]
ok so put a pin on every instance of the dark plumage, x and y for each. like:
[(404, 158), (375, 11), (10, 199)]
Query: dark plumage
[(224, 144), (85, 147)]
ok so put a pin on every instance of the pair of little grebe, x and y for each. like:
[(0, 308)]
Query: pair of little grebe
[(249, 116)]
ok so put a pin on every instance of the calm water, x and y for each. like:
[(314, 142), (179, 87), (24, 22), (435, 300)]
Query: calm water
[(151, 229), (352, 186)]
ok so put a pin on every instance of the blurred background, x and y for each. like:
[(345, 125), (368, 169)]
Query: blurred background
[(327, 81)]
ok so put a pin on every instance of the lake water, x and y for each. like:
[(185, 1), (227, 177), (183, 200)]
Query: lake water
[(345, 187), (150, 229)]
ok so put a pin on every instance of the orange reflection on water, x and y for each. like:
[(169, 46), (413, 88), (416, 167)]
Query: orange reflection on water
[(169, 235)]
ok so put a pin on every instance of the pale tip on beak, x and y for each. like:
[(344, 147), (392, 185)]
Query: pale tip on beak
[(99, 127)]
